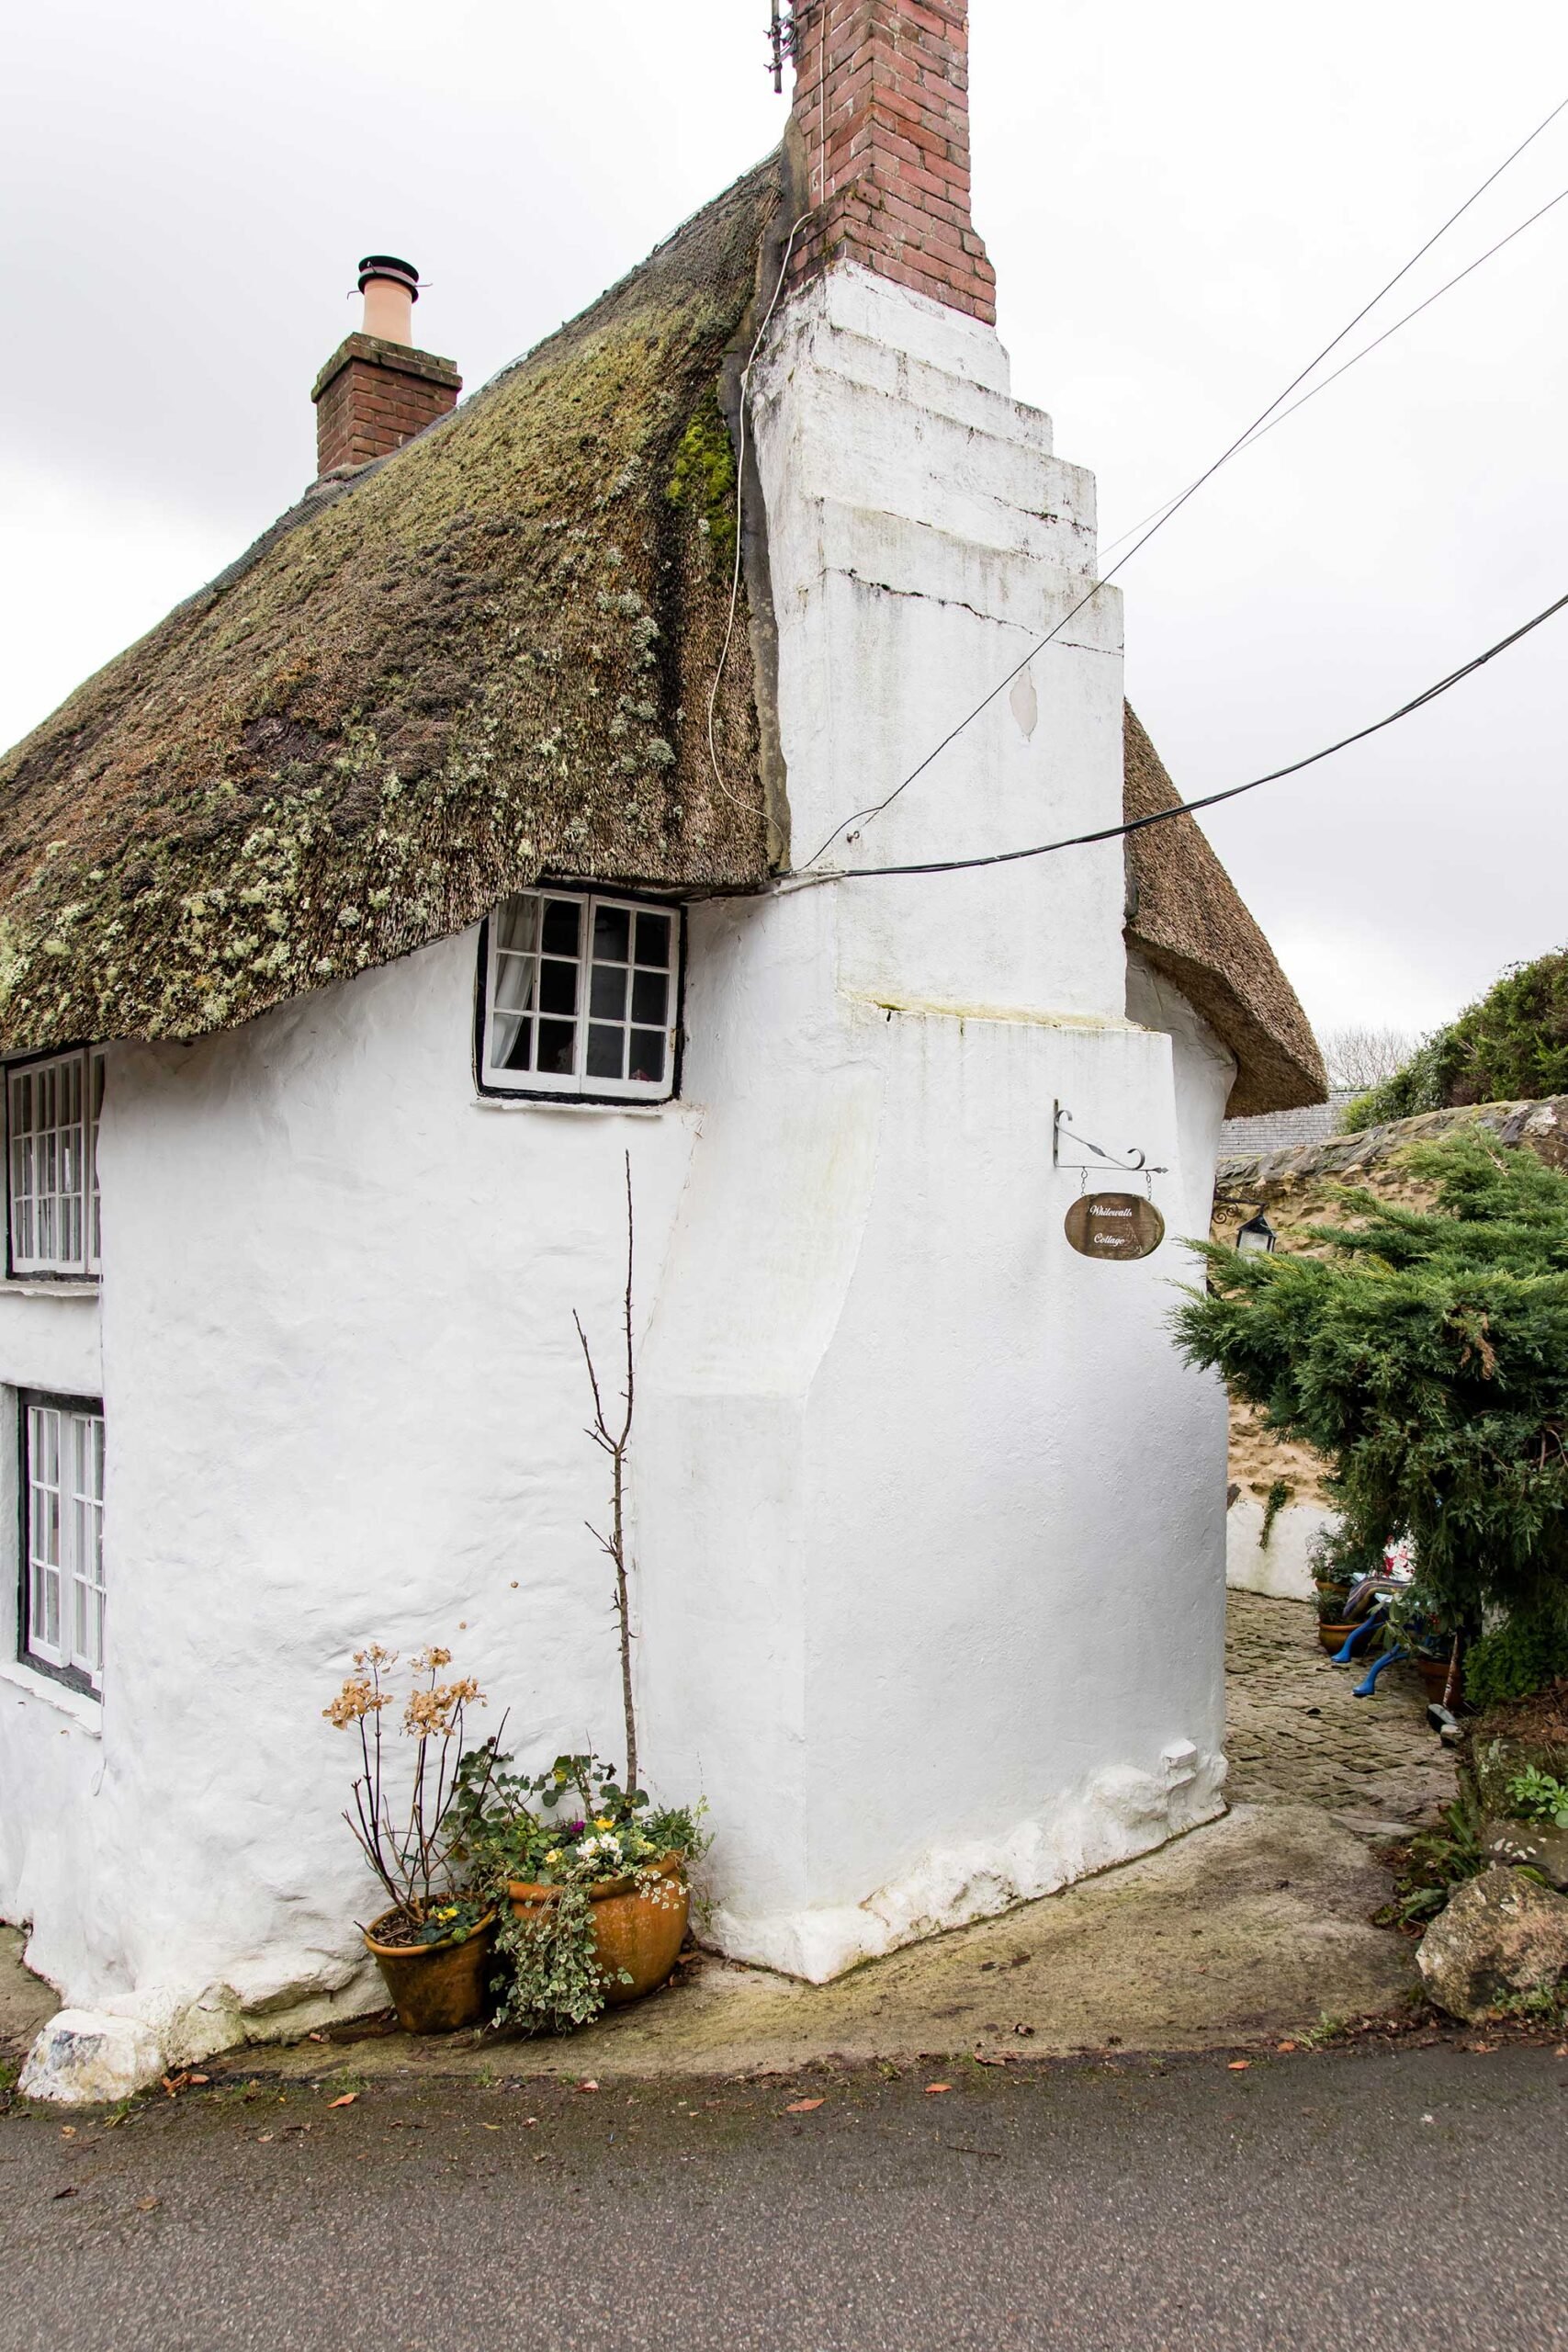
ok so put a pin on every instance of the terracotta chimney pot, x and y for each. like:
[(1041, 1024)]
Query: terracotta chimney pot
[(390, 289)]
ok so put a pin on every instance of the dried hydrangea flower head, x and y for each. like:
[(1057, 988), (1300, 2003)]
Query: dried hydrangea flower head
[(359, 1698), (431, 1714)]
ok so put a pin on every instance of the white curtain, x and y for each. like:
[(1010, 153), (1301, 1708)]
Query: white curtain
[(516, 973)]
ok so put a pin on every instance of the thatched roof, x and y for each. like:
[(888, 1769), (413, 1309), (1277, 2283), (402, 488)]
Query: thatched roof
[(1185, 917), (484, 659)]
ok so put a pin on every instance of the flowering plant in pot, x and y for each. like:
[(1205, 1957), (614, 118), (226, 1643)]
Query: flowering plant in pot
[(594, 1883), (434, 1942)]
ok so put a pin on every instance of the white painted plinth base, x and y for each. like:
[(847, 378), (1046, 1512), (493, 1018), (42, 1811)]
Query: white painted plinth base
[(1113, 1819), (85, 2058)]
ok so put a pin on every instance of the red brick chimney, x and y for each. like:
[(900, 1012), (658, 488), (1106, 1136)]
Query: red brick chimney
[(882, 122), (377, 391)]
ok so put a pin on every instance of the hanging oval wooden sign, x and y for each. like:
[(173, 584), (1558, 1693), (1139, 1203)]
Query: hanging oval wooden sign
[(1114, 1225)]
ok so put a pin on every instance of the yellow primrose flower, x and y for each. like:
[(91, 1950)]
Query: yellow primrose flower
[(554, 1856), (602, 1821)]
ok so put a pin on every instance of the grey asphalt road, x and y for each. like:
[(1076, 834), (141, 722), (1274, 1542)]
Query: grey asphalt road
[(1358, 2198)]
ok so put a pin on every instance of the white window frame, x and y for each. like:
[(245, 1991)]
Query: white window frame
[(580, 1084), (63, 1604), (52, 1169)]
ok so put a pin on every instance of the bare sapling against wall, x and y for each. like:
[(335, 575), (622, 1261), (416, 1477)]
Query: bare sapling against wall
[(616, 1444)]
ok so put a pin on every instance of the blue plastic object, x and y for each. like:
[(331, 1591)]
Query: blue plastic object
[(1367, 1687), (1358, 1639)]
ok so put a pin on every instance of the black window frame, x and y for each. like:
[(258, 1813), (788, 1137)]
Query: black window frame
[(70, 1678), (559, 1097)]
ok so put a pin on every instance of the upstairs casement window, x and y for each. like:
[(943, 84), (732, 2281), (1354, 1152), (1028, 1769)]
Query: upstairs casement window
[(580, 997), (53, 1110), (62, 1538)]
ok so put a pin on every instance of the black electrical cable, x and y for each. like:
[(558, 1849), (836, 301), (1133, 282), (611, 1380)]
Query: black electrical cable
[(804, 880), (862, 816), (1368, 348)]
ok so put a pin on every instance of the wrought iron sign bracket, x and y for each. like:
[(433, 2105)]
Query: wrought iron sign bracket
[(1130, 1162)]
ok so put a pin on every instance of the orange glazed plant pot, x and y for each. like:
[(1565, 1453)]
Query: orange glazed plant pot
[(1334, 1637), (637, 1933), (437, 1988)]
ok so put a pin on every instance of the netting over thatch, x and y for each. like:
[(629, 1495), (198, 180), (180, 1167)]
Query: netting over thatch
[(486, 657)]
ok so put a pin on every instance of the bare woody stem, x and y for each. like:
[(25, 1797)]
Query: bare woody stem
[(616, 1444)]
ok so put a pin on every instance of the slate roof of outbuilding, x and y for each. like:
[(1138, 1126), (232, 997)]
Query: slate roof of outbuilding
[(484, 659)]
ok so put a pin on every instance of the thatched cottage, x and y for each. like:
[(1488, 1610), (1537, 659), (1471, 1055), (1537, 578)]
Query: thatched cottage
[(497, 814)]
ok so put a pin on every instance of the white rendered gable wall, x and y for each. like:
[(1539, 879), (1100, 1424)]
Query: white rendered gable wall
[(931, 1521)]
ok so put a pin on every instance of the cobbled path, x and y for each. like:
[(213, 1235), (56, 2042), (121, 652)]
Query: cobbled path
[(1296, 1737)]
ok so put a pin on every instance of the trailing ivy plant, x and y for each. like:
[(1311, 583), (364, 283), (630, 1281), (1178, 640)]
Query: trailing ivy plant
[(1424, 1357), (562, 1834)]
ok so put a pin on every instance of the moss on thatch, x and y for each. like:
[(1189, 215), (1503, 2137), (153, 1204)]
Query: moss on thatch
[(482, 659), (486, 658)]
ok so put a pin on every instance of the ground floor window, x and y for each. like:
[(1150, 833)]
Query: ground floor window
[(580, 997), (62, 1536)]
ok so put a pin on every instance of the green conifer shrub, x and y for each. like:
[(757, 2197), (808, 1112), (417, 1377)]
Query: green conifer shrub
[(1510, 1046), (1426, 1359)]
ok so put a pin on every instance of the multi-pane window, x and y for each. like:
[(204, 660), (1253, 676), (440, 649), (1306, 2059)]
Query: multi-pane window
[(581, 997), (63, 1523), (53, 1110)]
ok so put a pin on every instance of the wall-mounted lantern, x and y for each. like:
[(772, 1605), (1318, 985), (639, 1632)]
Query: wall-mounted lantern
[(1257, 1238)]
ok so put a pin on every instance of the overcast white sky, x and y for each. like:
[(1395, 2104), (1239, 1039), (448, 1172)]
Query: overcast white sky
[(1182, 206)]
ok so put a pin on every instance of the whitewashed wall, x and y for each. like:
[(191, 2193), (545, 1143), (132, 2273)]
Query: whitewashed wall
[(344, 1399), (933, 1527), (930, 1519)]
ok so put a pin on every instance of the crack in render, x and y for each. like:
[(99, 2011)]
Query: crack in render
[(961, 604)]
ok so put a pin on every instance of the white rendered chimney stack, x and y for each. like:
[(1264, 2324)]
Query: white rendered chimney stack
[(390, 289)]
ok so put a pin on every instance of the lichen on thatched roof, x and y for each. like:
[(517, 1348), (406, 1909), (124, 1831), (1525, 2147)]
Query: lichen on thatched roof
[(485, 658), (1185, 916)]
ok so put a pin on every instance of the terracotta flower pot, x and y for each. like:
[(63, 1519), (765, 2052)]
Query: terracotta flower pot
[(636, 1933), (437, 1988), (1332, 1637), (1434, 1673)]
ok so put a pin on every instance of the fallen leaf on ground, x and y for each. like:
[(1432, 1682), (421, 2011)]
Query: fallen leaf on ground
[(490, 2127), (1284, 2045), (589, 2085), (1024, 2029), (347, 2101), (981, 2059), (937, 2086), (147, 2204), (315, 2036), (68, 2131), (266, 2136), (1239, 2065), (70, 2192), (802, 2106), (201, 2078)]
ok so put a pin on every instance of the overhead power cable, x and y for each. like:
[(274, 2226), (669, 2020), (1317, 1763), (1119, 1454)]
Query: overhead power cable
[(1365, 353), (803, 879), (864, 816)]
